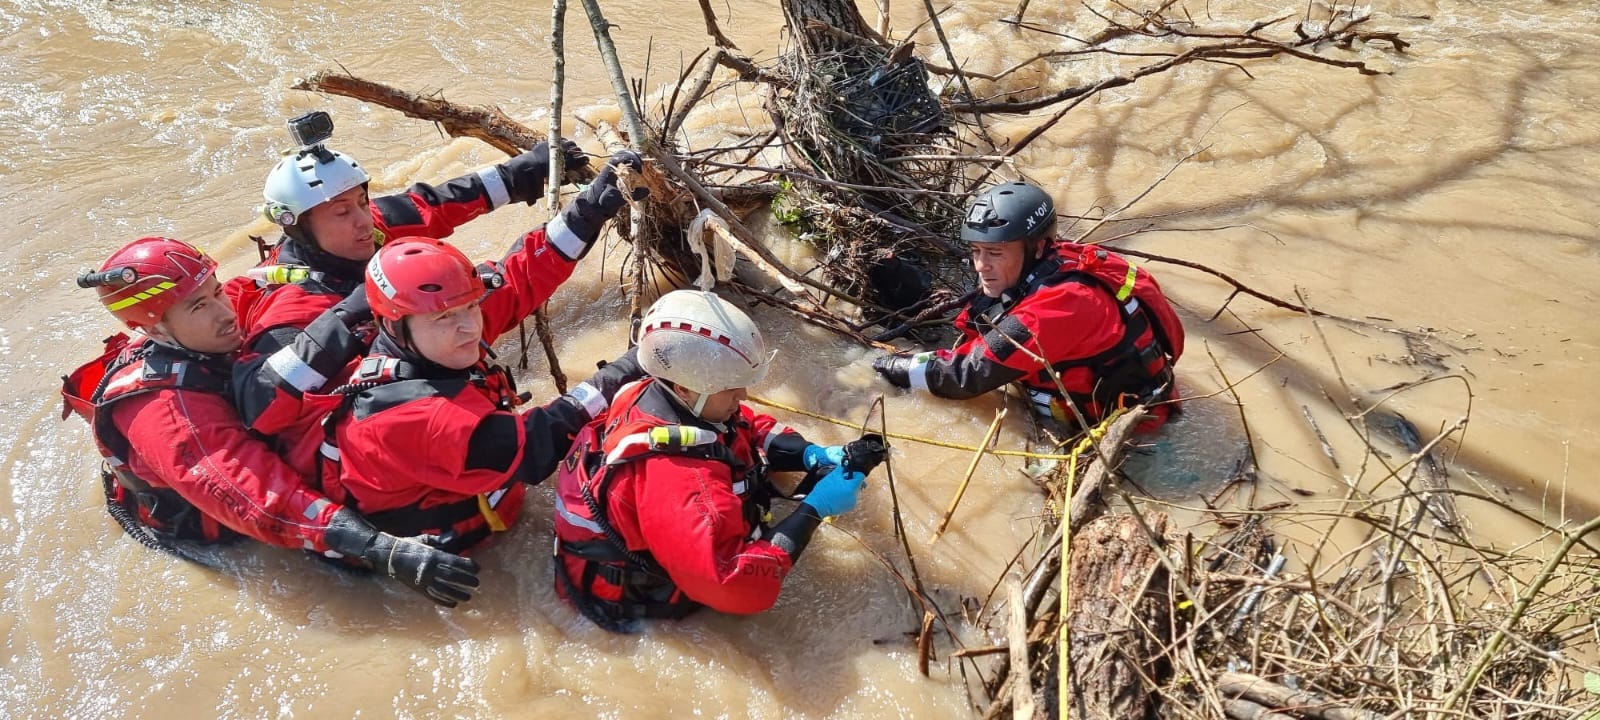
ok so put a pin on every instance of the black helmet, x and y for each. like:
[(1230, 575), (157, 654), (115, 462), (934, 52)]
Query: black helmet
[(1012, 211)]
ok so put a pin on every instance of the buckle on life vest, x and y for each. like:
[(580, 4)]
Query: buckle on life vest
[(377, 368), (486, 507)]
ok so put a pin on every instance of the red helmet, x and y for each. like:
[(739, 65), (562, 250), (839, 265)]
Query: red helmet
[(165, 272), (415, 276)]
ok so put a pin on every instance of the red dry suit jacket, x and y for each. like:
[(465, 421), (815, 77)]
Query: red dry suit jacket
[(1099, 321), (276, 371), (689, 513), (434, 438), (162, 420)]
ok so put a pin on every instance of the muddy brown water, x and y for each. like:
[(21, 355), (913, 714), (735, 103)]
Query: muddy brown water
[(1453, 198)]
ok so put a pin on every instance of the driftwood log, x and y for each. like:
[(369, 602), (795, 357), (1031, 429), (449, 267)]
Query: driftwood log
[(1118, 621), (1271, 695)]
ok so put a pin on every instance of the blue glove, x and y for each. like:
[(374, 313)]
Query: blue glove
[(819, 456), (835, 493)]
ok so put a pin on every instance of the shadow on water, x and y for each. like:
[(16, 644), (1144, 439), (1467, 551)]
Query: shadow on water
[(1194, 453)]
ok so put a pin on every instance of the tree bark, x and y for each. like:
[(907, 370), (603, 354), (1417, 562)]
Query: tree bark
[(1118, 618), (1272, 695), (812, 19)]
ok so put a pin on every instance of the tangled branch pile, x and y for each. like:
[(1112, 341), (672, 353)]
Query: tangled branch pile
[(872, 162), (1417, 620)]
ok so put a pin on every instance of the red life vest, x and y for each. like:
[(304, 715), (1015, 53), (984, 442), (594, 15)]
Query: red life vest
[(126, 370), (1137, 367), (383, 383), (616, 583)]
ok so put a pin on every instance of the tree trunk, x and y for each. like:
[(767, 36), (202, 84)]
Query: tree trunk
[(840, 16), (1119, 618)]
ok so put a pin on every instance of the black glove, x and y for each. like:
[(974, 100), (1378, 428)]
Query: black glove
[(444, 578), (589, 211), (526, 174), (613, 375), (896, 368), (354, 309), (595, 394)]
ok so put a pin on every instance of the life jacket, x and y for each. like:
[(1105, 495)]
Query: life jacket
[(291, 286), (383, 382), (1137, 368), (584, 528), (126, 369)]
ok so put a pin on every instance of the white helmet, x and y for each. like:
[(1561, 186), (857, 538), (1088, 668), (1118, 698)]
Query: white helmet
[(306, 179), (699, 342)]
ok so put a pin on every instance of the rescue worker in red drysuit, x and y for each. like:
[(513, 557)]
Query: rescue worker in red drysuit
[(426, 439), (661, 507), (1096, 319), (319, 197), (179, 462)]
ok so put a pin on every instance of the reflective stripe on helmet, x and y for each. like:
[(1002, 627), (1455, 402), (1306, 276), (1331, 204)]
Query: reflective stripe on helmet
[(141, 297)]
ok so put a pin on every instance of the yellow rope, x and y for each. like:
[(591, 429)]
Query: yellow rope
[(1063, 594), (912, 438), (1089, 438)]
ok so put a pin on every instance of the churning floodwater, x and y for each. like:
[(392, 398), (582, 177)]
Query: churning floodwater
[(1452, 198)]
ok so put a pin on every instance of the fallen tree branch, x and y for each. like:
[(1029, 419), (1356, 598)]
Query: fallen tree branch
[(1273, 695), (482, 122)]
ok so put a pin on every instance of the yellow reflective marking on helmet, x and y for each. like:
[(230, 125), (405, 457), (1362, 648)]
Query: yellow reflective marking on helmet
[(1127, 283), (142, 296)]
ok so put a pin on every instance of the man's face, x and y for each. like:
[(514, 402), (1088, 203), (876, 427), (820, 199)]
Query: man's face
[(999, 265), (204, 322), (450, 338), (342, 226), (720, 406)]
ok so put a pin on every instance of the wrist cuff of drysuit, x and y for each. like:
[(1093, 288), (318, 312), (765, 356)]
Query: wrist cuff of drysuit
[(785, 450), (572, 242), (589, 398), (793, 534)]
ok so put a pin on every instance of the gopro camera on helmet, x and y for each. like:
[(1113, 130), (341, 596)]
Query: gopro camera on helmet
[(311, 129)]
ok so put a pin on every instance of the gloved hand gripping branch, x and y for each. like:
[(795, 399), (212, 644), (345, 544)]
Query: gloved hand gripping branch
[(526, 174), (444, 578), (834, 493), (575, 229)]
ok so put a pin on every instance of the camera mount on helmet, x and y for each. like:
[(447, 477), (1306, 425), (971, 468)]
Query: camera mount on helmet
[(310, 130)]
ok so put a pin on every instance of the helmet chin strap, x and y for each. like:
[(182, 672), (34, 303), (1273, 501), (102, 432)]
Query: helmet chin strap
[(699, 403)]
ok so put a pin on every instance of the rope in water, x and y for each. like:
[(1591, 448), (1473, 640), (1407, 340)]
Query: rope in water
[(913, 438)]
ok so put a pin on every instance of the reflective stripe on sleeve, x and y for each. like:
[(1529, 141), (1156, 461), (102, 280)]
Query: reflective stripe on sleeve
[(295, 371), (589, 399), (919, 371), (559, 235), (495, 186), (316, 507), (778, 428)]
